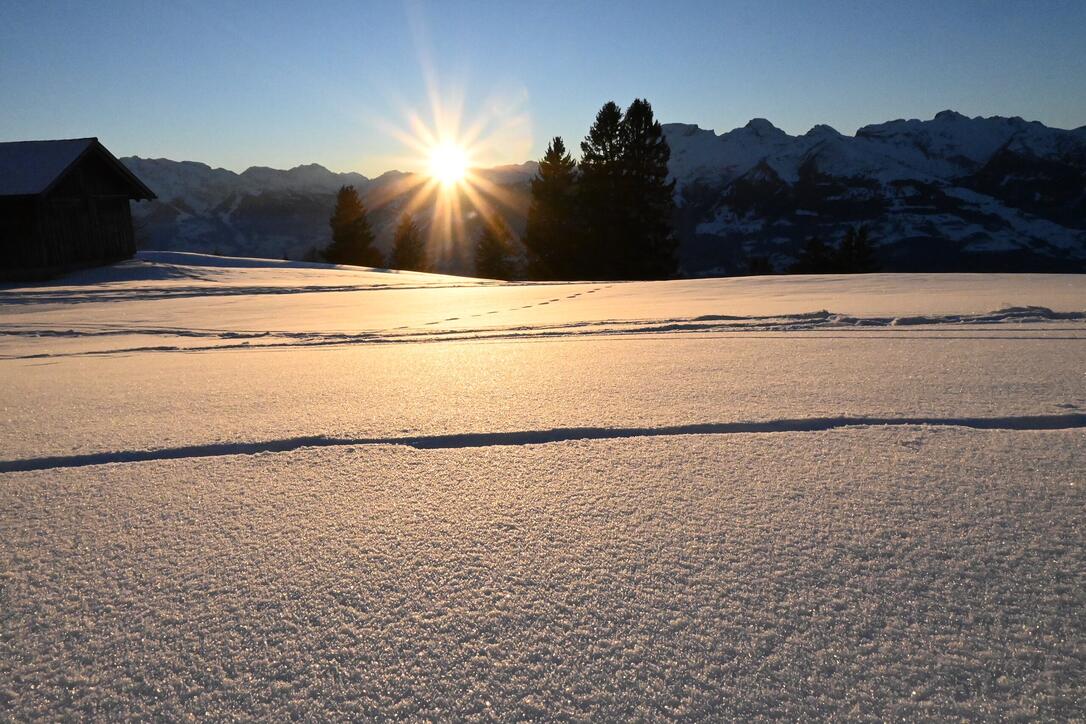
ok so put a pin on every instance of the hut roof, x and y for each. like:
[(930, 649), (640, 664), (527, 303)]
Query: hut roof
[(30, 168)]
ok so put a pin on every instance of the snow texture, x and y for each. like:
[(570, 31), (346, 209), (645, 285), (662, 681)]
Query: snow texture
[(912, 573), (246, 489)]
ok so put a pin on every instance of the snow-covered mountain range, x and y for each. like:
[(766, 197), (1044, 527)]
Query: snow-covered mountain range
[(950, 193), (265, 212)]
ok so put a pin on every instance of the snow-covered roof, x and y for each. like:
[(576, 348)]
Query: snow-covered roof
[(28, 168)]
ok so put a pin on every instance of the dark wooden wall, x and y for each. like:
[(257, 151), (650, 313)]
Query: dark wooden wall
[(84, 219), (18, 219)]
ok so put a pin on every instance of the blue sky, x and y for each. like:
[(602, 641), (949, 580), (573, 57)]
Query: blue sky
[(284, 83)]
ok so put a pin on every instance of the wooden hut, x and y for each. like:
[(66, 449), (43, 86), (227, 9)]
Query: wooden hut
[(63, 205)]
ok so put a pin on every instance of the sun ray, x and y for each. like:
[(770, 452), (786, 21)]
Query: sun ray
[(479, 202), (446, 185), (493, 190)]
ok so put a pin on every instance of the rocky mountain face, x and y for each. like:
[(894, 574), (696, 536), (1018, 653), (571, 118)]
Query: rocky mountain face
[(949, 194)]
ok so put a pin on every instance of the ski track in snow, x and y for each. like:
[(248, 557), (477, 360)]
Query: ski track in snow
[(543, 437), (813, 321)]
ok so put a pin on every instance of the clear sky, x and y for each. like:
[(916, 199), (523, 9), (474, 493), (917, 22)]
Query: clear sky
[(278, 84)]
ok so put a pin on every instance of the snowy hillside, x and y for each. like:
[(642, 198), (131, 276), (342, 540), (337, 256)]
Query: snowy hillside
[(235, 488), (952, 193)]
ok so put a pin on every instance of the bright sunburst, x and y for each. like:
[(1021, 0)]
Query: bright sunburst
[(448, 164), (454, 189)]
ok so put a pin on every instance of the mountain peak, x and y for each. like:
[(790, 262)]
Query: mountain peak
[(684, 129), (949, 115), (821, 130), (762, 127)]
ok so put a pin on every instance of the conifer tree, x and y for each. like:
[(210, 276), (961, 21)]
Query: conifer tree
[(352, 238), (814, 258), (856, 255), (408, 246), (760, 266), (649, 208), (551, 236), (863, 254), (494, 252), (626, 201), (601, 197)]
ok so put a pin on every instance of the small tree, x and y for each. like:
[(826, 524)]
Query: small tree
[(856, 255), (494, 252), (814, 258), (352, 238), (759, 266), (408, 246)]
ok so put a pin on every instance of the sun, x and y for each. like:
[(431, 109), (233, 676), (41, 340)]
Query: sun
[(448, 188), (448, 163)]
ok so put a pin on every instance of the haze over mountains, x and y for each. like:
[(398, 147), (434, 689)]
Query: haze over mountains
[(951, 193)]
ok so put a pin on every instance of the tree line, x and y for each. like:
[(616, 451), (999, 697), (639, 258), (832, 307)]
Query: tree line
[(353, 242), (607, 217), (611, 215), (854, 255), (353, 238)]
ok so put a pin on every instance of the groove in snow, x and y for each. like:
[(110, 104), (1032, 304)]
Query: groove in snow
[(539, 437)]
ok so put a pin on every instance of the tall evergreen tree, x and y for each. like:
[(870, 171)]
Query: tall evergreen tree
[(408, 246), (649, 243), (494, 252), (352, 238), (601, 197), (552, 234), (626, 202)]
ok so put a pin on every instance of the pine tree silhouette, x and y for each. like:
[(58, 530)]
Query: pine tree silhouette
[(551, 236), (814, 258), (601, 195), (856, 255), (494, 252), (760, 266), (626, 202), (863, 252), (649, 208), (408, 246), (352, 238)]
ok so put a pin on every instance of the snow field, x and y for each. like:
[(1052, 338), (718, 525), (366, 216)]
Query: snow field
[(246, 489), (906, 573), (79, 406)]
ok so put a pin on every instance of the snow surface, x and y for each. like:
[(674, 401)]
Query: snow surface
[(238, 488)]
